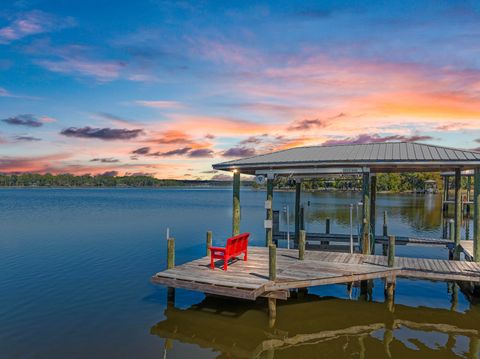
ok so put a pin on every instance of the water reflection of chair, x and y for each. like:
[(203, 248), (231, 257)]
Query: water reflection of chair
[(312, 325)]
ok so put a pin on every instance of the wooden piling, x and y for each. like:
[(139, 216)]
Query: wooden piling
[(298, 190), (269, 205), (454, 301), (385, 224), (445, 193), (366, 290), (209, 242), (458, 212), (385, 249), (170, 265), (385, 233), (301, 245), (170, 297), (236, 204), (272, 262), (451, 236), (366, 214), (170, 253), (302, 218), (373, 211), (327, 231), (451, 230), (391, 251), (476, 215)]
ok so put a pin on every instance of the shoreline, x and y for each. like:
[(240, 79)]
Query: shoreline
[(227, 185)]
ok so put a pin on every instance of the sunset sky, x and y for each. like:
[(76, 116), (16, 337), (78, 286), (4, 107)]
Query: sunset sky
[(167, 88)]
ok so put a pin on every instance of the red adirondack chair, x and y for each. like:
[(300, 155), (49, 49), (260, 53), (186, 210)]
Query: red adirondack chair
[(235, 246)]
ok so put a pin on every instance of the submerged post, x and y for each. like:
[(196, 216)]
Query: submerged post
[(327, 231), (391, 251), (170, 265), (458, 213), (451, 237), (298, 190), (209, 242), (385, 224), (390, 281), (272, 311), (476, 215), (236, 203), (272, 261), (170, 253), (269, 208), (385, 233), (390, 293), (272, 275), (301, 246), (373, 210), (366, 214)]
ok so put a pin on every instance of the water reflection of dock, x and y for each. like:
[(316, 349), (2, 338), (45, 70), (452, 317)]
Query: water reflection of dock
[(310, 325)]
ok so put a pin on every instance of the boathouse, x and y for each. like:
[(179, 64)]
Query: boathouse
[(273, 273)]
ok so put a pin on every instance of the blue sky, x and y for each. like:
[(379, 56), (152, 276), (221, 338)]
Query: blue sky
[(169, 87)]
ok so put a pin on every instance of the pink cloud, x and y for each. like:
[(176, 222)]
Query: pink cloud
[(160, 104), (198, 125), (4, 93), (47, 119), (102, 71), (375, 138), (31, 23), (224, 52)]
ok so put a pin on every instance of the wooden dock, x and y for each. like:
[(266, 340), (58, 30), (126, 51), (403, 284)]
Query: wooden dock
[(345, 238), (250, 280)]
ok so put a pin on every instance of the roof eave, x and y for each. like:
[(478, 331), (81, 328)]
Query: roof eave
[(402, 166)]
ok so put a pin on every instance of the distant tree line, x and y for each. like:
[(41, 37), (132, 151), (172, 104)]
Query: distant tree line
[(386, 182), (69, 180)]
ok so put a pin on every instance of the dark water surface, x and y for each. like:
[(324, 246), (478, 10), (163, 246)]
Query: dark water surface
[(75, 266)]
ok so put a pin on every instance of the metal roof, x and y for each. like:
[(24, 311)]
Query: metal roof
[(377, 157)]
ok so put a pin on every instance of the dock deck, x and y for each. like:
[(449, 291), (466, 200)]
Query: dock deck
[(249, 280)]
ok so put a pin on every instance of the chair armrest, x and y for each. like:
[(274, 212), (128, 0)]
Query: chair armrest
[(217, 249)]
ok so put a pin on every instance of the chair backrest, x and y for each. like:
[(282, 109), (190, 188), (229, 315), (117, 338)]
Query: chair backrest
[(237, 243)]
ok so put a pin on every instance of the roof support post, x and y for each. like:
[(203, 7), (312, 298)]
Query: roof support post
[(366, 214), (476, 215), (236, 204), (298, 191), (373, 210), (269, 215), (469, 187), (445, 194), (458, 212)]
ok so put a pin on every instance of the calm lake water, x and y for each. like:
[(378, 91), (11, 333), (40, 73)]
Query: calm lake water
[(75, 268)]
